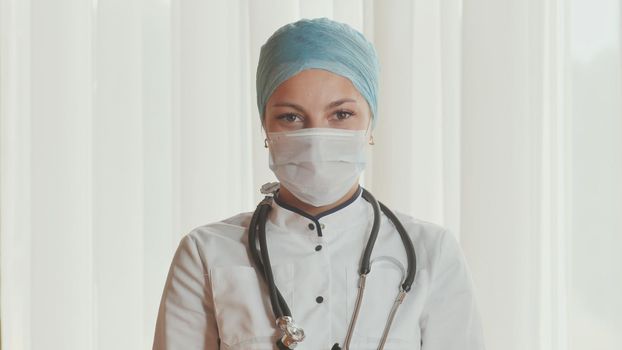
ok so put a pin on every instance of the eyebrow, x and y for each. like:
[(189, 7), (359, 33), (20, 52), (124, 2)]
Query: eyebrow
[(299, 108)]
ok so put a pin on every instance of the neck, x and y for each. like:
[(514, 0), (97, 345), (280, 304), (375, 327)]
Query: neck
[(288, 198)]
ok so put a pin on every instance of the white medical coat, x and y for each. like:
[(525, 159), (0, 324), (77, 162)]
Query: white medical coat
[(215, 299)]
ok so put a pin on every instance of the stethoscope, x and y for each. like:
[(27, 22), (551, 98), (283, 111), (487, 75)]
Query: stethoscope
[(292, 334)]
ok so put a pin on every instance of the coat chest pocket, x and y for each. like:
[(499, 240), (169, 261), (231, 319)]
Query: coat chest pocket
[(381, 289), (242, 305)]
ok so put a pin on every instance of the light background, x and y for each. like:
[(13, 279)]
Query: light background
[(126, 123)]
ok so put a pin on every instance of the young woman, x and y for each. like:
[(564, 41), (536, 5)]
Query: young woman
[(320, 264)]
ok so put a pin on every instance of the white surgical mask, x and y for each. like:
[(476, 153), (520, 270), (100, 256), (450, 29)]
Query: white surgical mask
[(317, 165)]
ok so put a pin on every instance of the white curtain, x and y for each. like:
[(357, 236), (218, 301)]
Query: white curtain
[(541, 170), (126, 123)]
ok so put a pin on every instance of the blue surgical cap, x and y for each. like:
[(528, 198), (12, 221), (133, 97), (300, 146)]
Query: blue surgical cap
[(318, 43)]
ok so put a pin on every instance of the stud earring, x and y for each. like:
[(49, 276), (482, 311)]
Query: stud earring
[(265, 143)]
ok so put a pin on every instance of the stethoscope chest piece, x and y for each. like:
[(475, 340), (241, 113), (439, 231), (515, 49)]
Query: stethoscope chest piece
[(292, 334)]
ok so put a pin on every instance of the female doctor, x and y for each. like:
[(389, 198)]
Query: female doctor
[(307, 277)]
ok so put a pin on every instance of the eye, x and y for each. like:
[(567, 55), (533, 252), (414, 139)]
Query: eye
[(343, 114), (288, 117)]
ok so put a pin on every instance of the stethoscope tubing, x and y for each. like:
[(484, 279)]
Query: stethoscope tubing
[(258, 221), (411, 256), (280, 308)]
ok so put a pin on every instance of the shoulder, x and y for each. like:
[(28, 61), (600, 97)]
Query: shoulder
[(432, 241), (420, 228), (221, 242), (424, 232), (231, 228)]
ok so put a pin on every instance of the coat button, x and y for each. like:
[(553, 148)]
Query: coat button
[(318, 247), (311, 226), (319, 299)]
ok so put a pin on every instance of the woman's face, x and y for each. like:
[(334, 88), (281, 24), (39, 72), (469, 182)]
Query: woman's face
[(316, 98)]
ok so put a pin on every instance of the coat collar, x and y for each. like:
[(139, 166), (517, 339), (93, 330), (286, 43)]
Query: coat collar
[(350, 214)]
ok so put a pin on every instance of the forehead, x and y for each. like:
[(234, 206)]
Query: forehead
[(316, 83)]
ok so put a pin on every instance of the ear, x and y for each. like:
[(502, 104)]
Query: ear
[(263, 128), (370, 122)]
